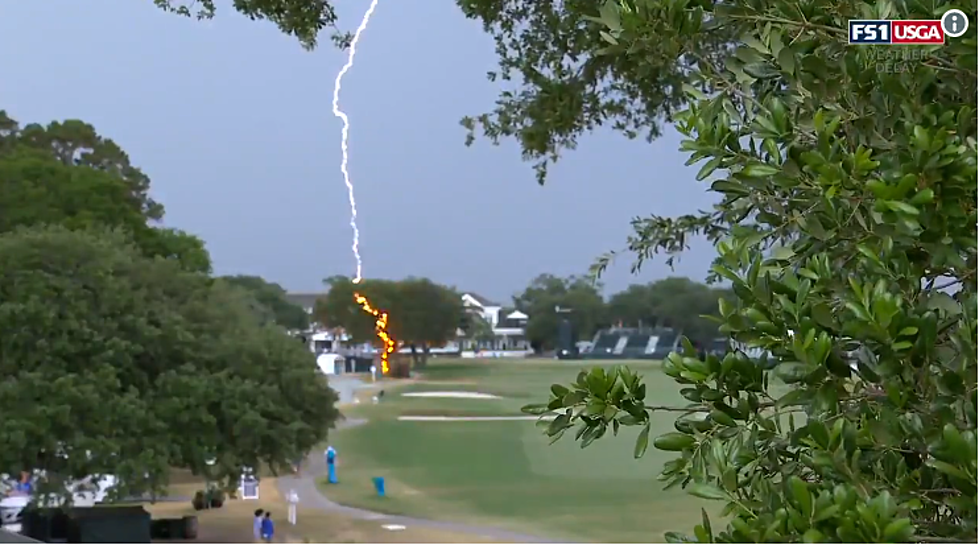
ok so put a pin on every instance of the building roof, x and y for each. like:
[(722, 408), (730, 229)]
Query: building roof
[(305, 300), (480, 299)]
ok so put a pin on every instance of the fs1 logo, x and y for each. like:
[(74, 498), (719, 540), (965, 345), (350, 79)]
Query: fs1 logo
[(896, 32)]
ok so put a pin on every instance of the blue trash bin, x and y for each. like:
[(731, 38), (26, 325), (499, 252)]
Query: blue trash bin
[(379, 485)]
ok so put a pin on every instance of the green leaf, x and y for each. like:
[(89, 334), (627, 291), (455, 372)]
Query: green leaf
[(813, 535), (673, 441), (759, 170), (705, 522), (706, 492), (692, 91), (761, 70), (535, 408), (801, 495), (899, 531), (574, 398), (958, 447), (559, 390), (642, 442), (947, 469), (676, 537), (786, 59), (708, 168)]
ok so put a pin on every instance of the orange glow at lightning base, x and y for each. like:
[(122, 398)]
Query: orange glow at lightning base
[(381, 329), (388, 344)]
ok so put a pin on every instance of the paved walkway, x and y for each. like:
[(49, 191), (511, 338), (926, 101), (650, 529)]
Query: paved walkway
[(310, 496)]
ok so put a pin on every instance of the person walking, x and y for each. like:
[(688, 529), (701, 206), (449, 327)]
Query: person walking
[(268, 527), (257, 525)]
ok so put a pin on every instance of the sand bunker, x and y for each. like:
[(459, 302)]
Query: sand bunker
[(407, 418), (457, 395)]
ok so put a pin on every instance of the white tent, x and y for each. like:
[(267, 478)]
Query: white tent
[(330, 364)]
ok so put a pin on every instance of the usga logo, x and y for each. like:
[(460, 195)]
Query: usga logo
[(896, 32)]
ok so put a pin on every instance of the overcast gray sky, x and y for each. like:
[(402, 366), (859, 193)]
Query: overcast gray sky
[(232, 122)]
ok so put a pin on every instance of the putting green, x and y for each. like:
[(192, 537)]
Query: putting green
[(504, 473)]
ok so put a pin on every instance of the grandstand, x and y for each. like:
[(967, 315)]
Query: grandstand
[(633, 343)]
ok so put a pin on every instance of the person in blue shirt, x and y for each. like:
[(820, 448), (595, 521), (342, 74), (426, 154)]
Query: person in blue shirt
[(268, 527), (257, 524)]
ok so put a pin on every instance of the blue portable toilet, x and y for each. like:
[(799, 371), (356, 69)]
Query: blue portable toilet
[(379, 486)]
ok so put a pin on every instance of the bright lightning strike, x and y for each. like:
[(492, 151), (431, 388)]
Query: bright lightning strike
[(345, 134), (381, 318)]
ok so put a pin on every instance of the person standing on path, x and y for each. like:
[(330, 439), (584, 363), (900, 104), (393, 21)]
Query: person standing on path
[(293, 499), (257, 525), (268, 527), (331, 464)]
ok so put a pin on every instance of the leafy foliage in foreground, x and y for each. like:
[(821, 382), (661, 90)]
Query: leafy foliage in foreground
[(848, 232)]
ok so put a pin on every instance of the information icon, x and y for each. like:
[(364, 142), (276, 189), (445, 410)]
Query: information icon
[(954, 23)]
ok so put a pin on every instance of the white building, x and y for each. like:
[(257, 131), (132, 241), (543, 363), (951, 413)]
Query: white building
[(508, 326)]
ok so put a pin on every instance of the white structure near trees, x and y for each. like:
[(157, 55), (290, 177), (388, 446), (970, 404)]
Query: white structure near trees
[(505, 336)]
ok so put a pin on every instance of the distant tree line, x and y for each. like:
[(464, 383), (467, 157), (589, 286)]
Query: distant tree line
[(424, 314), (120, 353), (675, 302)]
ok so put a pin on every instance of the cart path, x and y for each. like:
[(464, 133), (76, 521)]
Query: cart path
[(310, 495)]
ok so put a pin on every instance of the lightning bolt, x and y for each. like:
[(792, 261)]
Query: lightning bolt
[(380, 317), (345, 134)]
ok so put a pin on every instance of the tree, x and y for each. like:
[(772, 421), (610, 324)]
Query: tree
[(302, 19), (118, 364), (422, 313), (338, 309), (568, 85), (76, 143), (847, 229), (67, 174), (426, 315), (545, 294), (272, 302)]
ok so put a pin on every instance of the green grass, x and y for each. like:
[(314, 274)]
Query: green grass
[(505, 474)]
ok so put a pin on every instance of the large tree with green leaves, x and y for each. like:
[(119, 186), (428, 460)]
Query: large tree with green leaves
[(67, 174), (428, 316), (118, 364), (847, 229), (271, 303)]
